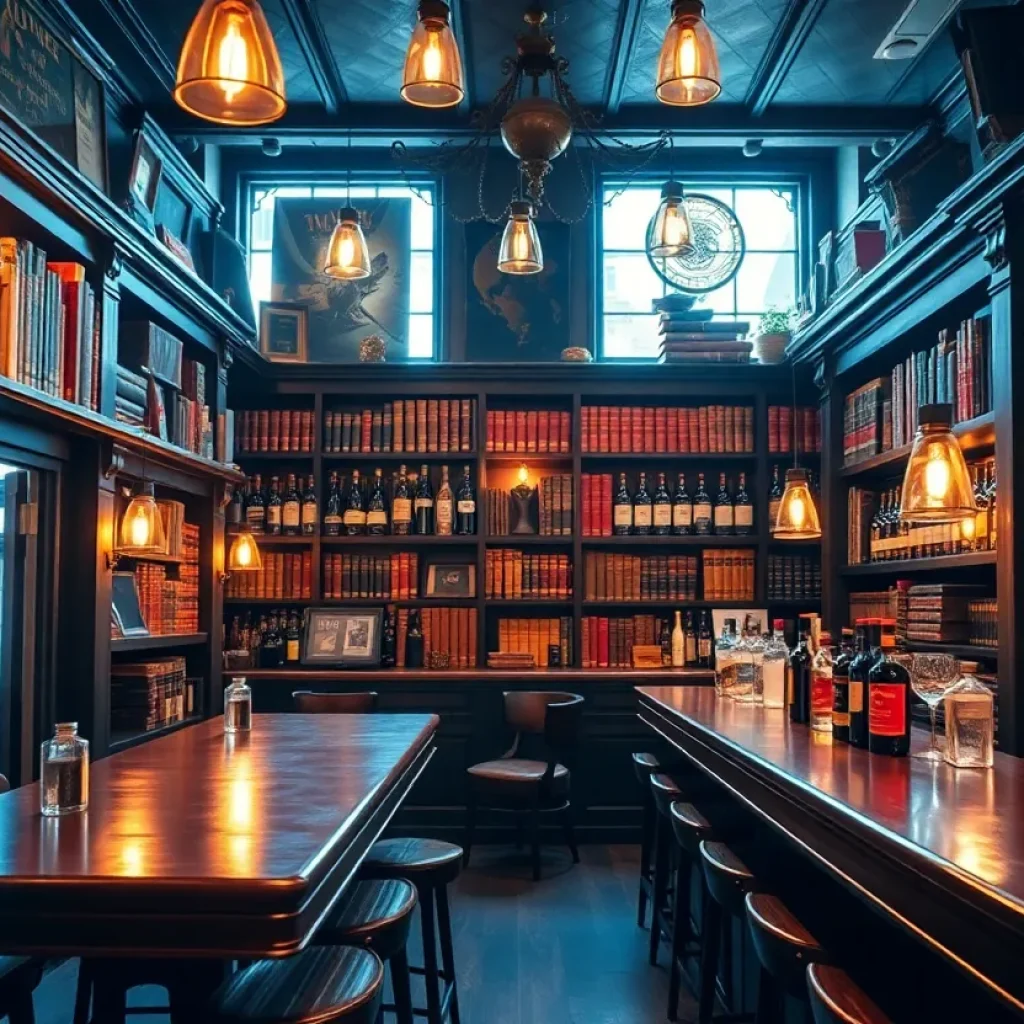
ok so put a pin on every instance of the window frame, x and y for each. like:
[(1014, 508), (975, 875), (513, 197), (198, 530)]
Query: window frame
[(695, 182)]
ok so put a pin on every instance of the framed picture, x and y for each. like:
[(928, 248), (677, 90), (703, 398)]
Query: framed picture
[(125, 612), (143, 181), (342, 637), (451, 581), (177, 247), (284, 331), (752, 618)]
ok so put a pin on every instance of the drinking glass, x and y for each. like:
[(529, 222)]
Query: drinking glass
[(931, 676)]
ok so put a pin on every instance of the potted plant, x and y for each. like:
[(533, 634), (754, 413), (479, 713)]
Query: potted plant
[(773, 335)]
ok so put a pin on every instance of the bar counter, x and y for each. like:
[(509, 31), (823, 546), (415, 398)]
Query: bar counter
[(938, 851)]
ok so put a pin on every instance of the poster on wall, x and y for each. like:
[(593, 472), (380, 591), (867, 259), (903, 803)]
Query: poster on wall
[(510, 318), (343, 313)]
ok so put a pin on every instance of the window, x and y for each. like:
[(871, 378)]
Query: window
[(421, 276), (767, 277)]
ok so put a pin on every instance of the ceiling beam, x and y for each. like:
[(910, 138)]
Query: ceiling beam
[(795, 26), (316, 50), (463, 37), (146, 45), (625, 40)]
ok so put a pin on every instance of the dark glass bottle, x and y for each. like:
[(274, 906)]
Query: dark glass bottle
[(888, 699), (743, 509), (256, 507), (841, 688), (389, 639), (665, 642), (465, 507), (690, 642), (860, 666), (414, 642), (682, 509), (622, 510), (236, 509), (271, 644), (704, 641), (354, 517), (291, 509), (310, 508), (424, 504), (799, 690), (724, 522), (662, 522), (774, 499), (444, 507), (401, 507), (291, 639), (643, 506), (332, 511), (377, 507), (273, 526), (702, 521)]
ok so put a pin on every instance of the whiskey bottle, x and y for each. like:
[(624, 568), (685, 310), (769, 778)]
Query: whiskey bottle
[(332, 513), (354, 516), (799, 695), (841, 689), (310, 508), (273, 526), (704, 641), (682, 509), (255, 507), (774, 499), (690, 641), (424, 504), (678, 642), (444, 507), (888, 699), (622, 510), (860, 665), (662, 509), (642, 509), (743, 510), (236, 509), (377, 507), (465, 507), (701, 509), (724, 522), (291, 639), (291, 509), (401, 507)]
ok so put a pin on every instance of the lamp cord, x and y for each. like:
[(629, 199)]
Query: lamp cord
[(796, 449)]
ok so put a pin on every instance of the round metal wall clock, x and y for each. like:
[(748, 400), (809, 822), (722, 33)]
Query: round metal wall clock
[(717, 252)]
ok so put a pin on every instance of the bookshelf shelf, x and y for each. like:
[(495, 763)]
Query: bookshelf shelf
[(941, 562), (159, 642), (125, 741), (131, 556)]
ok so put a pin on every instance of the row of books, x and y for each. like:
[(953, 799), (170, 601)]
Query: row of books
[(451, 630), (151, 694), (661, 429), (938, 613), (392, 577), (613, 577), (529, 430), (284, 576), (609, 642), (411, 425), (50, 324), (729, 574), (170, 606), (983, 622), (511, 574), (781, 421), (792, 577), (274, 430), (536, 637)]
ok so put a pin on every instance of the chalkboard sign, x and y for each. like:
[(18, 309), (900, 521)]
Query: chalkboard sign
[(343, 637), (283, 331), (124, 608)]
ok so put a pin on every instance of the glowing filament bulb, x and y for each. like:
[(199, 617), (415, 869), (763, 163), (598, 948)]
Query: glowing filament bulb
[(677, 230), (797, 512), (433, 59), (243, 553), (937, 474), (524, 474), (233, 60), (140, 529)]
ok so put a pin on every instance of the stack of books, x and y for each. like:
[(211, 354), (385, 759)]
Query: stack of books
[(938, 613), (130, 397), (150, 694), (274, 430), (692, 336)]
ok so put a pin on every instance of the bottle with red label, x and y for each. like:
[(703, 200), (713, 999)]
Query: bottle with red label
[(888, 699), (821, 685)]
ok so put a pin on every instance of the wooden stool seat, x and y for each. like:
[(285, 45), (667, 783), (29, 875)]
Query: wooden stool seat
[(644, 765), (429, 861), (784, 946), (689, 826), (321, 985), (836, 998), (664, 789), (515, 781), (728, 878), (377, 915)]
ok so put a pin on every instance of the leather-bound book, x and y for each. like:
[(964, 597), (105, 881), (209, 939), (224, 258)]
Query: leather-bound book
[(410, 425), (454, 417), (661, 429), (387, 427), (263, 433), (467, 411), (532, 431), (398, 444), (274, 436), (433, 425)]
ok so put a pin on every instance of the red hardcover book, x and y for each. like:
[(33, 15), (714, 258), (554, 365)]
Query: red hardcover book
[(433, 427), (531, 430), (672, 431), (453, 425), (720, 428), (603, 643), (421, 425), (729, 438), (661, 429), (400, 634), (264, 431), (466, 424), (472, 638), (693, 429), (636, 439), (625, 429), (443, 423), (307, 430), (307, 573), (295, 431), (410, 424), (615, 428), (275, 430), (565, 431), (520, 430), (649, 431), (605, 508), (585, 641), (773, 429), (585, 428), (585, 498), (505, 425), (703, 436), (491, 433), (398, 437), (595, 429), (403, 576), (544, 431), (604, 418)]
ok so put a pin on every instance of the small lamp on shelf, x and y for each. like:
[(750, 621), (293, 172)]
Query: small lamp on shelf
[(936, 485), (142, 526), (244, 555), (522, 503)]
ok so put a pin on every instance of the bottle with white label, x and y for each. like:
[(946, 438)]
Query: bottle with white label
[(724, 522), (774, 499), (444, 507), (701, 509), (353, 519), (678, 642), (682, 509), (643, 509), (310, 508), (465, 507), (291, 509), (743, 509), (377, 507), (662, 509), (401, 507), (622, 510)]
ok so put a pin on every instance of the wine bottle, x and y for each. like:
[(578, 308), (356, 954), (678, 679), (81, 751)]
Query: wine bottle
[(690, 641), (291, 509), (704, 641), (465, 507), (682, 509), (724, 522), (423, 505), (332, 513), (291, 639), (377, 507), (821, 685), (662, 509), (743, 509), (841, 689), (255, 507), (236, 509), (354, 516), (774, 499), (622, 510), (642, 509), (444, 507), (888, 699), (388, 639), (273, 526), (702, 521), (678, 642), (860, 665), (310, 508), (799, 691), (401, 507)]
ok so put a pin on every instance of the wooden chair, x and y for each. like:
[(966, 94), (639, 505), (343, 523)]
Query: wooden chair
[(836, 998), (525, 785), (644, 766), (308, 702), (664, 790)]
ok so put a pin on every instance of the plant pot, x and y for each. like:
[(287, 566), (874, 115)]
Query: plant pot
[(771, 348)]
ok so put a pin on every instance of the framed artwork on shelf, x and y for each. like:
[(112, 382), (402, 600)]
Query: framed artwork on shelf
[(342, 637), (448, 581), (144, 181), (125, 613), (284, 331), (177, 247)]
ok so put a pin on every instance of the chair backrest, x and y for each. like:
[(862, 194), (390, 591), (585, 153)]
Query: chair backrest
[(334, 703), (552, 715)]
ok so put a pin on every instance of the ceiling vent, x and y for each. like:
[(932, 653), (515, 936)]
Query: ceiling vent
[(914, 28)]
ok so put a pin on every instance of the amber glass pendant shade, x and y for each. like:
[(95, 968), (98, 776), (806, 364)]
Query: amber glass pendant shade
[(673, 233), (348, 258), (142, 527), (798, 515), (433, 67), (244, 555), (229, 71), (936, 485), (688, 74), (520, 251)]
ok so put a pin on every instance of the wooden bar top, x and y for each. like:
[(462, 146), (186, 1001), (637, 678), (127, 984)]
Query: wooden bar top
[(941, 849), (567, 676), (204, 842)]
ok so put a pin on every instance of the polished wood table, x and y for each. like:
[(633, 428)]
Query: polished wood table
[(939, 851), (202, 844)]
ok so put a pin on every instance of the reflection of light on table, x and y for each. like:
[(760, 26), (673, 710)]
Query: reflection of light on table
[(239, 802), (133, 861)]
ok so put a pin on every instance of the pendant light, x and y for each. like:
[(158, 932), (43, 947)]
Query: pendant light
[(520, 251), (244, 555), (142, 527), (433, 68), (673, 233), (348, 257), (936, 485), (229, 71), (798, 515), (688, 74)]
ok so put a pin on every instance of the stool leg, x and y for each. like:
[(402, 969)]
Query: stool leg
[(646, 842), (659, 885), (444, 928), (710, 938), (20, 1008), (680, 931), (400, 987), (109, 1002), (570, 834), (467, 844), (768, 1000), (83, 993), (535, 841), (430, 976)]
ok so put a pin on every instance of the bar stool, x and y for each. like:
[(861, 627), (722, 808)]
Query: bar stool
[(836, 999), (378, 917), (785, 948), (322, 985), (664, 791), (308, 702), (19, 977), (644, 765), (727, 881), (431, 866)]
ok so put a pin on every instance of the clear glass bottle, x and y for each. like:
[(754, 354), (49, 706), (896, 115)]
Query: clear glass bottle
[(821, 685), (238, 706), (970, 724), (749, 655), (776, 658), (725, 663), (64, 763)]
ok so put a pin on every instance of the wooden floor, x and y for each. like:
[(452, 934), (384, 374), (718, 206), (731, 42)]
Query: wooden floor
[(565, 950)]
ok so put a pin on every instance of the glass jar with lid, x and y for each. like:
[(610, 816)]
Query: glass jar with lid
[(970, 724), (64, 766), (238, 706)]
